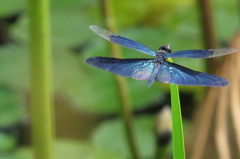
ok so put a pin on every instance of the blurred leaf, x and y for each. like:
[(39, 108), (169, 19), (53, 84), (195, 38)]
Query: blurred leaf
[(134, 11), (68, 149), (11, 107), (7, 142), (9, 7), (14, 65), (226, 19), (111, 136), (63, 4), (146, 13), (75, 150)]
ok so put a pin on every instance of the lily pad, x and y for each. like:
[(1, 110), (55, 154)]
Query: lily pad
[(111, 135)]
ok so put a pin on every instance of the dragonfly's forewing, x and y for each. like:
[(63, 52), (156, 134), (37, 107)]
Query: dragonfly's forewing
[(201, 53), (121, 40)]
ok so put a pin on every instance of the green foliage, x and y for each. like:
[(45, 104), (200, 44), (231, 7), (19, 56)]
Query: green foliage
[(12, 111), (108, 141), (8, 7), (111, 135), (226, 19), (7, 143), (11, 107), (69, 149)]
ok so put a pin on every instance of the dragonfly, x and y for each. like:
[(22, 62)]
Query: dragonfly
[(158, 69)]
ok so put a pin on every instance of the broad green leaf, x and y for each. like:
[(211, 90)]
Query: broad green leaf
[(111, 135)]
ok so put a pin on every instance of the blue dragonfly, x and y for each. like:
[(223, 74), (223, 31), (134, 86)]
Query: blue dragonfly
[(159, 68)]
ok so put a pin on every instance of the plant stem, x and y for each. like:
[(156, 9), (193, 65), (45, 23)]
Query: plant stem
[(177, 134), (41, 88), (207, 24), (177, 128), (208, 33), (126, 108)]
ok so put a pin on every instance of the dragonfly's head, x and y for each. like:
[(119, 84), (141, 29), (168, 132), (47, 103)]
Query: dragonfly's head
[(165, 49)]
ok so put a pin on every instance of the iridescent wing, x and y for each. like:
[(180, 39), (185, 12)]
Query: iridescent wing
[(140, 69), (201, 53), (121, 40), (176, 74)]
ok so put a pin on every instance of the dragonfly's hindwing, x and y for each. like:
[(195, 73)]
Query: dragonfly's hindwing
[(176, 74), (140, 69)]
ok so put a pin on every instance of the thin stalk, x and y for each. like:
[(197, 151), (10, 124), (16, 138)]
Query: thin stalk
[(208, 33), (177, 129), (177, 134), (126, 107), (207, 24), (41, 88)]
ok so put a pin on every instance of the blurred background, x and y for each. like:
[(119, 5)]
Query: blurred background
[(86, 99)]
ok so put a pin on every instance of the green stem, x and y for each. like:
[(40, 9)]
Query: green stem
[(41, 88), (177, 128), (126, 108), (177, 134)]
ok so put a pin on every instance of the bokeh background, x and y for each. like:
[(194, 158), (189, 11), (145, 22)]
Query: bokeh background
[(86, 100)]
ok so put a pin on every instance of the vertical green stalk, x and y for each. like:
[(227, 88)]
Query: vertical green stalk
[(126, 108), (41, 88), (177, 133)]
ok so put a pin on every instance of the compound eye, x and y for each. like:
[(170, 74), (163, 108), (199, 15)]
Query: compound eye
[(165, 49)]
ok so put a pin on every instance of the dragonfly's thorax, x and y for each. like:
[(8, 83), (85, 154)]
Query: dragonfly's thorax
[(159, 58)]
